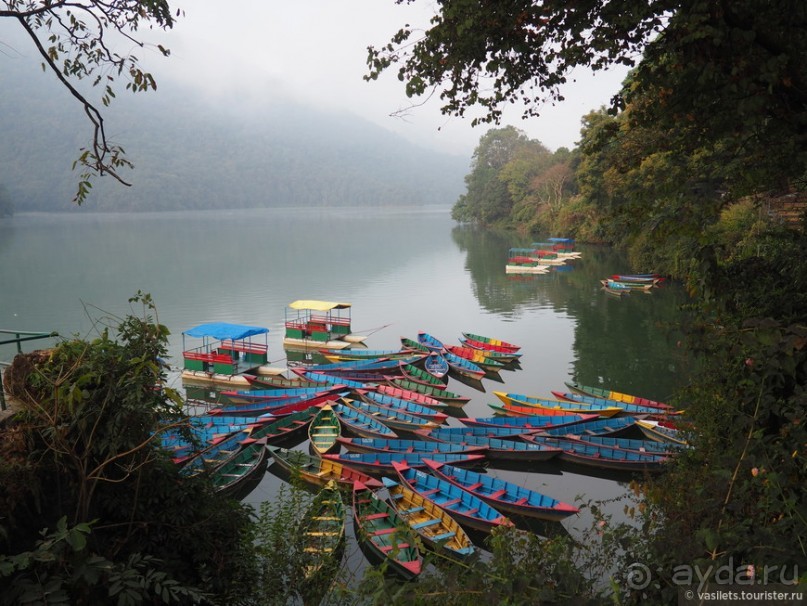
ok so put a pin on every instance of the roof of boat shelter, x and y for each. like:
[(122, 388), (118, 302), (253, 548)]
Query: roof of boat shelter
[(318, 305), (225, 331)]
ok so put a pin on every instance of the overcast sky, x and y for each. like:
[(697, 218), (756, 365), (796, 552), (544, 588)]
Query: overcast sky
[(315, 51)]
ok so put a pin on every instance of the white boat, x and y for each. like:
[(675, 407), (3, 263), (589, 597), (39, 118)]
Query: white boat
[(314, 324)]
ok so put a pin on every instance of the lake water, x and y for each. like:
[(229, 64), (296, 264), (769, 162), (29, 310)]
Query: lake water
[(404, 271)]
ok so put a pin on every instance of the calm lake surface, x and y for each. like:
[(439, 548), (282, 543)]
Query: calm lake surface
[(403, 270)]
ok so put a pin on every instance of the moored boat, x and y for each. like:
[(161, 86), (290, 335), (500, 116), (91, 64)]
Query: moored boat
[(422, 447), (402, 405), (490, 343), (314, 324), (361, 424), (449, 398), (508, 448), (322, 533), (438, 530), (609, 394), (505, 496), (464, 367), (603, 457), (324, 430), (418, 375), (385, 533), (661, 431), (430, 341), (417, 397), (238, 470), (380, 463), (466, 508), (528, 423), (515, 403), (319, 471), (436, 365), (288, 428), (395, 419)]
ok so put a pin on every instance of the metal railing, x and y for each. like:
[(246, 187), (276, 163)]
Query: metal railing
[(20, 336)]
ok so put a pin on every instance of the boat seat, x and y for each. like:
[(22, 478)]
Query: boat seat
[(473, 487), (442, 537), (428, 493), (522, 501), (411, 510), (383, 531), (387, 548), (498, 494), (376, 516), (326, 518), (425, 523), (449, 503), (471, 512)]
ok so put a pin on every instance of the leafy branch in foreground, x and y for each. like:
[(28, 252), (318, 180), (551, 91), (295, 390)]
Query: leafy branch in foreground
[(73, 40)]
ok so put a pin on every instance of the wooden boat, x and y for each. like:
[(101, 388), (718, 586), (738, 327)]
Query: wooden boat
[(436, 365), (236, 471), (648, 445), (244, 396), (207, 459), (611, 426), (637, 278), (438, 530), (411, 395), (324, 430), (362, 370), (361, 424), (343, 355), (408, 344), (464, 367), (379, 527), (609, 394), (402, 405), (396, 420), (418, 375), (458, 434), (421, 447), (431, 342), (475, 355), (484, 360), (504, 496), (380, 463), (322, 533), (314, 324), (290, 427), (319, 471), (280, 408), (636, 409), (534, 267), (662, 432), (466, 508), (617, 290), (449, 398), (603, 457), (329, 379), (490, 343), (516, 403), (608, 283), (278, 381), (509, 448), (528, 423)]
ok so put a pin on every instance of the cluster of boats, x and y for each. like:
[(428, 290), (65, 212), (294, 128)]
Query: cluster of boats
[(540, 257), (376, 425), (624, 284)]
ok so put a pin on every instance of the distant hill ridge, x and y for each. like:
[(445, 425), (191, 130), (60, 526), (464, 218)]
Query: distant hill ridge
[(190, 154)]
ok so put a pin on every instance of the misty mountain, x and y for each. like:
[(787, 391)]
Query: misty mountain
[(197, 153)]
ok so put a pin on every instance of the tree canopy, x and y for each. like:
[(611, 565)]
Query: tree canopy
[(76, 41), (725, 75)]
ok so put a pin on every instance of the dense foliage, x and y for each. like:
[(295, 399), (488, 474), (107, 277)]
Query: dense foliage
[(93, 510)]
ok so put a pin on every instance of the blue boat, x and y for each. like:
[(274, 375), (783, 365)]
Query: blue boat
[(402, 405), (650, 446), (464, 367), (430, 342), (603, 457), (466, 508), (380, 463), (392, 418), (435, 364), (361, 424), (504, 496), (422, 447), (513, 449), (246, 396), (329, 379), (452, 434), (600, 426), (527, 423)]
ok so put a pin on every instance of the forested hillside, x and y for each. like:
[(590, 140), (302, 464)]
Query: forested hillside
[(192, 153)]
